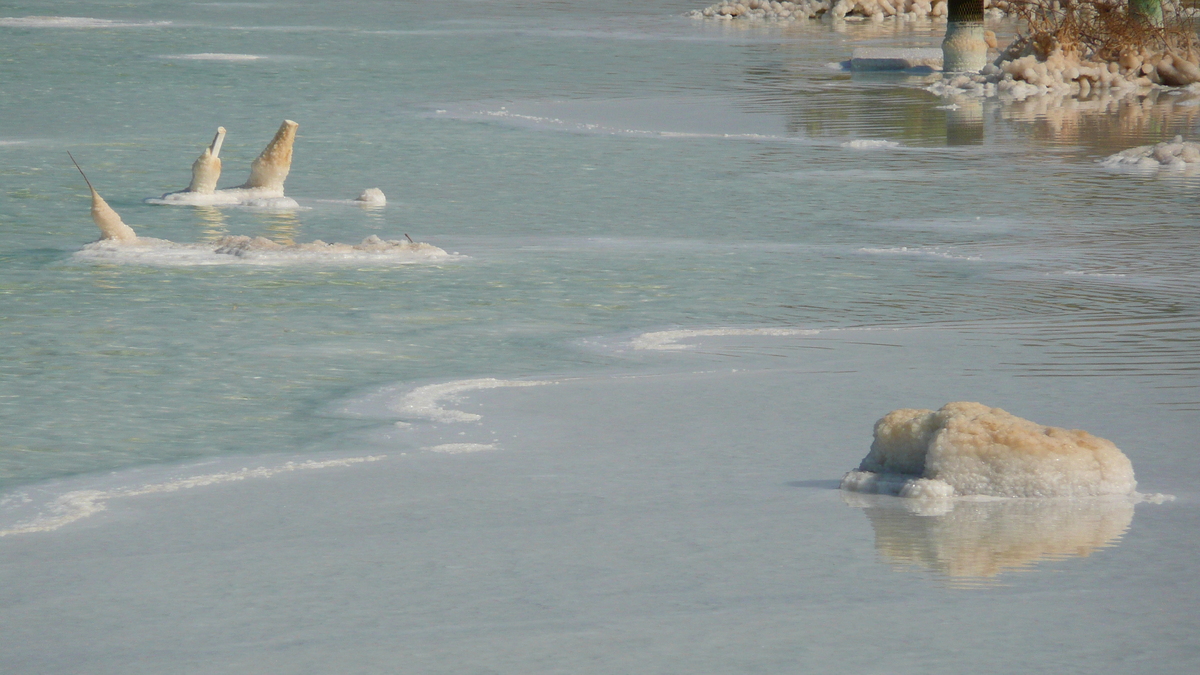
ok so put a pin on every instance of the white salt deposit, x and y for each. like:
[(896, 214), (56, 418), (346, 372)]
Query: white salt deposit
[(260, 251), (866, 144), (79, 504), (932, 252), (425, 402), (972, 449), (372, 197), (74, 22), (668, 340), (1173, 155), (460, 448), (263, 198), (876, 10), (213, 56)]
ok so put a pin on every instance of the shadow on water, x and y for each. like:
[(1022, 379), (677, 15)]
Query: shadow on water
[(970, 544)]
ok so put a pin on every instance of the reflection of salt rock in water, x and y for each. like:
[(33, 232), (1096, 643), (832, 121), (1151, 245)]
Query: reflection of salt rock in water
[(979, 540), (372, 197), (264, 188), (207, 167), (971, 449)]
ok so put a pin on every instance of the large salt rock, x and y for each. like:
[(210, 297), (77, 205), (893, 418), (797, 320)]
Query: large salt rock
[(972, 449)]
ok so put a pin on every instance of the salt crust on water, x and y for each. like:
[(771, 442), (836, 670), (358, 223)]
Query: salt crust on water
[(252, 197), (668, 340), (870, 145), (74, 22), (1174, 155), (425, 402), (969, 449), (258, 250), (460, 448), (73, 506)]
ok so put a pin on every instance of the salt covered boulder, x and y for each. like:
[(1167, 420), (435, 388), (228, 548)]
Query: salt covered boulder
[(972, 449)]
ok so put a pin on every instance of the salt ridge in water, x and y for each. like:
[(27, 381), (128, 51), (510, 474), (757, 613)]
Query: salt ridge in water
[(212, 56), (258, 250), (75, 22), (80, 504)]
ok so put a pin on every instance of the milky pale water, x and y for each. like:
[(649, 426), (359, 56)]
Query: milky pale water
[(602, 170)]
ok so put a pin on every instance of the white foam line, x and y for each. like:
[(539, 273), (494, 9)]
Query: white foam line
[(599, 128), (870, 145), (425, 401), (213, 56), (74, 22), (460, 448), (932, 252), (667, 340), (80, 504)]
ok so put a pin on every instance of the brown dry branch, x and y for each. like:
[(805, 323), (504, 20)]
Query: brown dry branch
[(1104, 31)]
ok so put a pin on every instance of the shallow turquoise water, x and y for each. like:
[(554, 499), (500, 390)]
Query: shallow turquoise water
[(603, 170)]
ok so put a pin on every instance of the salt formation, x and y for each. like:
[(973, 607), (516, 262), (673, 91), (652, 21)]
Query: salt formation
[(1176, 155), (372, 197), (112, 228), (207, 167), (1087, 45), (118, 240), (764, 10), (971, 449), (248, 246), (875, 10), (264, 188)]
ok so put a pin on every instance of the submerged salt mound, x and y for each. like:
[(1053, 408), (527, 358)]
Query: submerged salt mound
[(971, 449), (258, 250), (247, 246), (1176, 155)]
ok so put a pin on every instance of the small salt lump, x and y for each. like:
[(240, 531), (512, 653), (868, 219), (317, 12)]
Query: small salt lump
[(972, 449), (372, 196)]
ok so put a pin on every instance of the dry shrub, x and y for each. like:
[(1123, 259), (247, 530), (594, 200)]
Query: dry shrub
[(1101, 30)]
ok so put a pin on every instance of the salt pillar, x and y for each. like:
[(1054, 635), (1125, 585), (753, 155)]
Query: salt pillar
[(964, 49), (271, 167), (207, 167), (110, 223)]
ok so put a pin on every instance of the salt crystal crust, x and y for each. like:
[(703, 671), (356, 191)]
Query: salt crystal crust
[(1176, 155), (972, 449)]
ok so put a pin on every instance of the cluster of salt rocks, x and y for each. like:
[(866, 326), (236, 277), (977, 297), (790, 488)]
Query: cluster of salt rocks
[(877, 10), (769, 10), (1176, 155), (1020, 72)]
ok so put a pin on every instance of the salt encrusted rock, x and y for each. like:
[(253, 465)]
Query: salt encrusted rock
[(972, 449), (1176, 155)]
